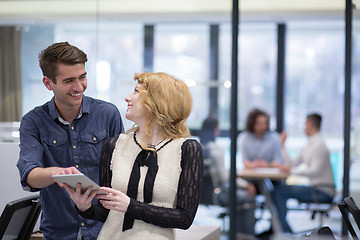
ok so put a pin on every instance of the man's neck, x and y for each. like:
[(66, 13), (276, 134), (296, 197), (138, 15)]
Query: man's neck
[(313, 133), (70, 113)]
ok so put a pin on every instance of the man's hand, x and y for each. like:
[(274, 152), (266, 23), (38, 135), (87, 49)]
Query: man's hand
[(282, 167), (42, 177), (283, 137)]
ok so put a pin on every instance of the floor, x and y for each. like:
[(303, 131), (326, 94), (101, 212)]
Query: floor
[(300, 221)]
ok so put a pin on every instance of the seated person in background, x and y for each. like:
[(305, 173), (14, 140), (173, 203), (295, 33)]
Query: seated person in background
[(313, 162), (259, 146), (215, 154), (216, 177)]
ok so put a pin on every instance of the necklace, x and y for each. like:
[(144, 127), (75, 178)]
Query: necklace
[(168, 141), (154, 146), (148, 145)]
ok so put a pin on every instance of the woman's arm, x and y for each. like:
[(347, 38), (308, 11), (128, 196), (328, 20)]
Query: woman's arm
[(189, 190)]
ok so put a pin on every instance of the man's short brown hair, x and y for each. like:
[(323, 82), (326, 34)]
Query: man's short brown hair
[(61, 52), (315, 119)]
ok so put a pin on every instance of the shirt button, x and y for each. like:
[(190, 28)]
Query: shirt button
[(72, 128), (74, 146), (77, 166), (94, 138), (82, 224), (54, 141)]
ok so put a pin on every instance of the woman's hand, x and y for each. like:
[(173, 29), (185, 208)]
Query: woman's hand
[(82, 201), (114, 200), (260, 163), (257, 163)]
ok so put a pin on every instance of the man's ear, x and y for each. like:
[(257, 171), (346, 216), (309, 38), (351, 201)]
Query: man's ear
[(48, 83)]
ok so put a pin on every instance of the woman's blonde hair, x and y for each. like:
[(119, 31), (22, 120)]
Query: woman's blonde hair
[(167, 101)]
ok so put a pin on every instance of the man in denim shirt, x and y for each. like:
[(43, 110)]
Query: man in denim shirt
[(64, 136)]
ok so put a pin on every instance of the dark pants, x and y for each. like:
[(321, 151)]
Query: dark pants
[(301, 193)]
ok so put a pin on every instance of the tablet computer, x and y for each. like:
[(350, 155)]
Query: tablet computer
[(73, 179)]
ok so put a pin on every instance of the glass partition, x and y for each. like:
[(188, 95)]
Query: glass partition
[(355, 105), (183, 51), (257, 71), (315, 83)]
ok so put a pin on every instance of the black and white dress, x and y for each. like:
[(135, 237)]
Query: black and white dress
[(176, 190)]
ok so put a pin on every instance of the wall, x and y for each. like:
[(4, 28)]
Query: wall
[(10, 186)]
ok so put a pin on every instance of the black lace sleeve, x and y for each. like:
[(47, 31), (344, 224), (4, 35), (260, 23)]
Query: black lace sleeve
[(188, 197), (98, 212)]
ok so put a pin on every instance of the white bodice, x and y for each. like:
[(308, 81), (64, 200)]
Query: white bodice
[(164, 193)]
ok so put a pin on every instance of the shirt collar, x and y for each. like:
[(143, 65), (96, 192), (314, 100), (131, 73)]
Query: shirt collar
[(85, 108), (85, 105), (266, 135), (314, 137), (63, 121)]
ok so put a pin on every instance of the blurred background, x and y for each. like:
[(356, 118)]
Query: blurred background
[(191, 39)]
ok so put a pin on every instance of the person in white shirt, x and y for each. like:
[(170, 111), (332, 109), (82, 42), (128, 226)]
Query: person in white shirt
[(312, 162)]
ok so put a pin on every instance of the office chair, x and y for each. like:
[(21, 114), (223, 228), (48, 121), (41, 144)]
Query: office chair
[(349, 206), (316, 207), (216, 193), (208, 193), (322, 233), (19, 217)]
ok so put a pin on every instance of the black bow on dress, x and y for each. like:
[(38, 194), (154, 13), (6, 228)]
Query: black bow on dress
[(144, 158)]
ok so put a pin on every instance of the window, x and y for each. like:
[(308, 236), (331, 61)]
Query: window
[(257, 71), (315, 83), (114, 54), (182, 50)]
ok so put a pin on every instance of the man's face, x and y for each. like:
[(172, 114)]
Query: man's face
[(71, 83), (261, 125), (308, 127)]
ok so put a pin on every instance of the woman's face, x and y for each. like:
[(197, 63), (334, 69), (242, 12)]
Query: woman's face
[(261, 125), (135, 112)]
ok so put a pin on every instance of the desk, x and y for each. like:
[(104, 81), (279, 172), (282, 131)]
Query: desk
[(195, 232), (262, 173), (263, 177), (198, 232)]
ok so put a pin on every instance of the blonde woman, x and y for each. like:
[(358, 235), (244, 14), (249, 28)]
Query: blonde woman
[(152, 173)]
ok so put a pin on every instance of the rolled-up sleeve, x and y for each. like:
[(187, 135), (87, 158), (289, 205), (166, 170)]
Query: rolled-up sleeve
[(31, 151)]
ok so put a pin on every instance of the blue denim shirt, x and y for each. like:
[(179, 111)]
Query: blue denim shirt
[(46, 142)]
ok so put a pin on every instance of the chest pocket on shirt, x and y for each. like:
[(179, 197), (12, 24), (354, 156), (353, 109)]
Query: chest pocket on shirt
[(93, 143), (55, 142), (56, 148)]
